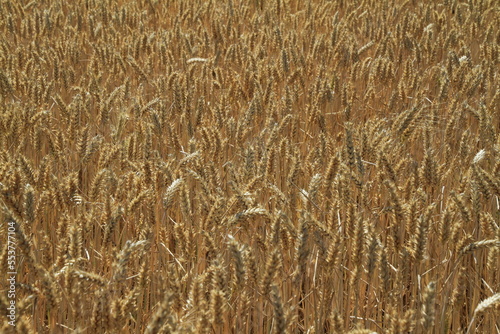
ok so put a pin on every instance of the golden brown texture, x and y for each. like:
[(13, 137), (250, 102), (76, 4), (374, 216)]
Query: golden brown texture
[(256, 166)]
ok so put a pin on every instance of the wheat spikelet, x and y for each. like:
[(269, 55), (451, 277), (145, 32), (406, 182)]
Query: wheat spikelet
[(90, 277), (279, 315), (480, 245), (172, 190), (124, 258), (428, 307), (487, 303), (252, 273), (238, 259), (217, 306), (483, 306), (302, 249), (272, 264), (161, 315), (288, 166), (248, 215)]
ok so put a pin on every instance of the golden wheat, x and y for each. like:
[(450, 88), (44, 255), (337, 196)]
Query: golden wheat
[(266, 166)]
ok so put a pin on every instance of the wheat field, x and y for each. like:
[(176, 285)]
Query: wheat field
[(257, 166)]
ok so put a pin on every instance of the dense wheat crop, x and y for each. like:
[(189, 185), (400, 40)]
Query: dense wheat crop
[(259, 166)]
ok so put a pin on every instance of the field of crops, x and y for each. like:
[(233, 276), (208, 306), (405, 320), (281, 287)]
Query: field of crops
[(285, 166)]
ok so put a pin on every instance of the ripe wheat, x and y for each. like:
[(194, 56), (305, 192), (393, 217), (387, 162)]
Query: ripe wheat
[(257, 166)]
